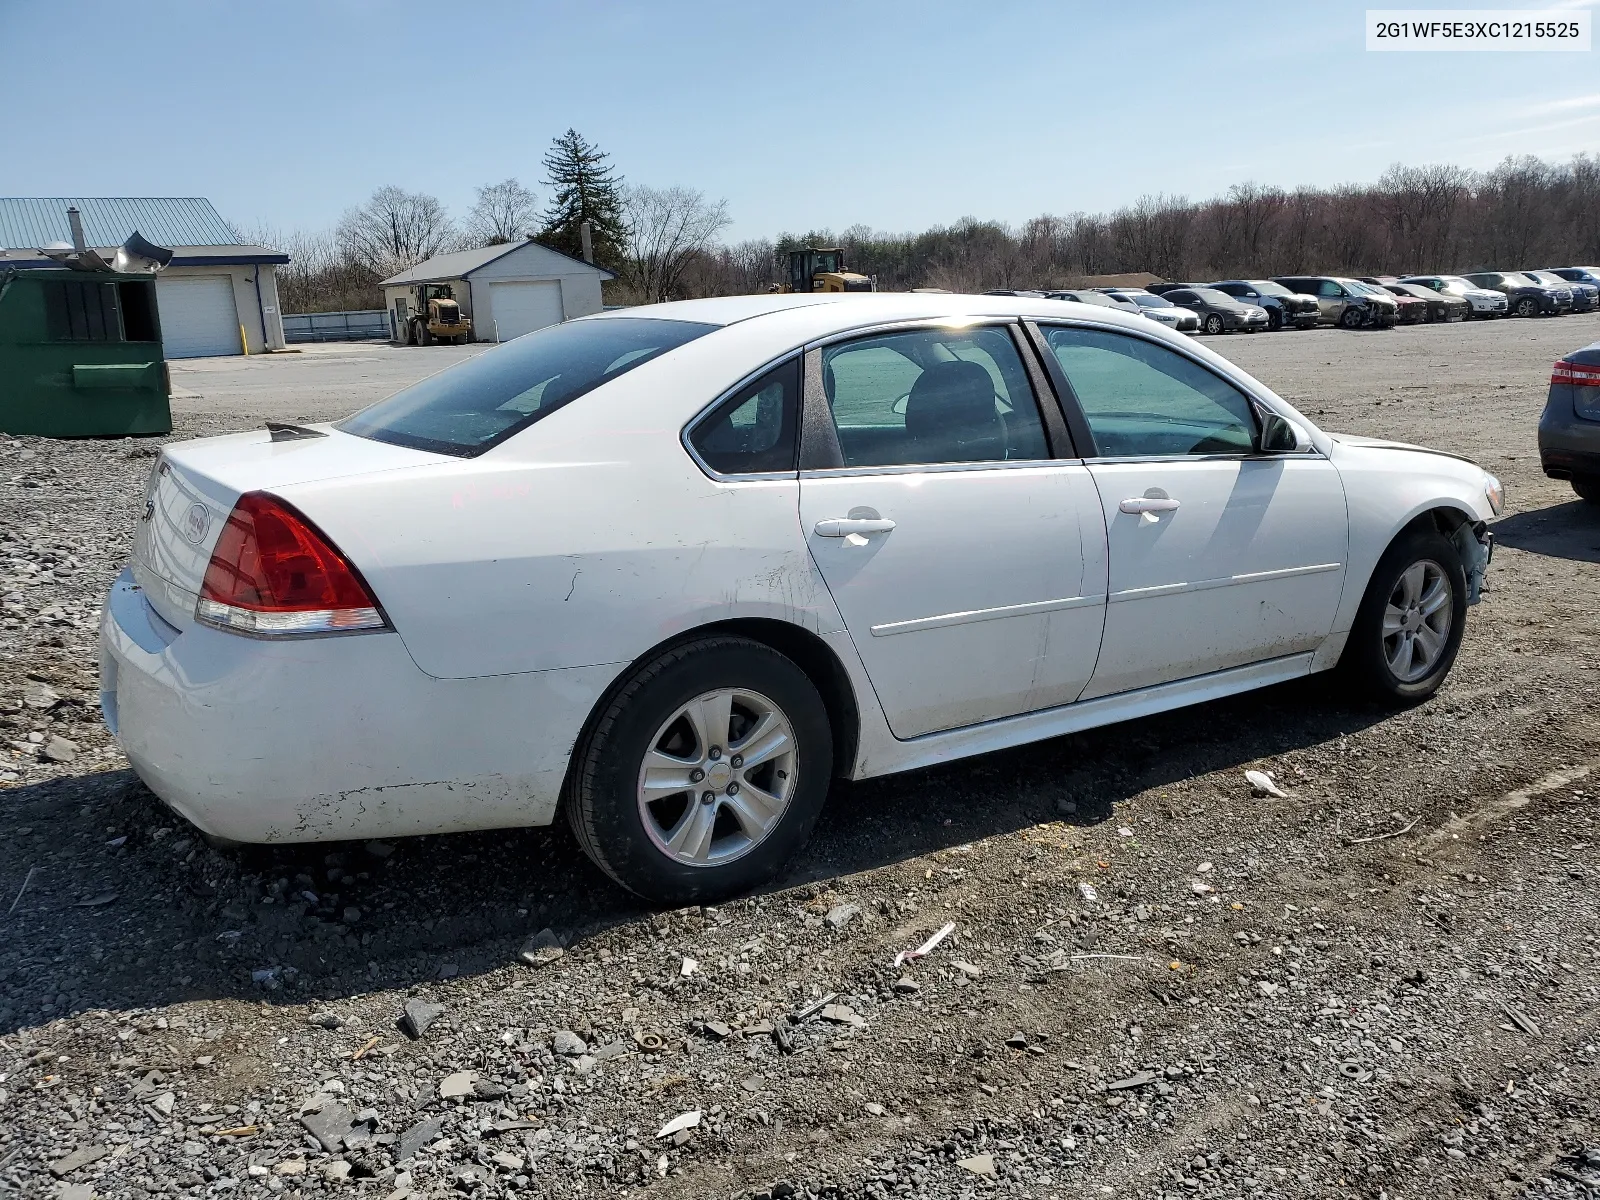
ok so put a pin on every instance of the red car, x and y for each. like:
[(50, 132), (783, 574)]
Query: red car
[(1413, 310)]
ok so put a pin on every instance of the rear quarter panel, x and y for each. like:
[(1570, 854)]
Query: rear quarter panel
[(587, 539)]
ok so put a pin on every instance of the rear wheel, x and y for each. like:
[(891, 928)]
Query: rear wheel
[(1587, 487), (705, 774), (1409, 626)]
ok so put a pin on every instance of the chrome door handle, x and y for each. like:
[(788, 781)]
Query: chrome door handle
[(845, 526), (1148, 504)]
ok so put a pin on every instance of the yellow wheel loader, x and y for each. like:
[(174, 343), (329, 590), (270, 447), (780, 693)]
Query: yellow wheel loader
[(438, 317), (822, 269)]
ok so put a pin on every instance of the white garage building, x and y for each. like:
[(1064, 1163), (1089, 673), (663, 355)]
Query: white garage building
[(506, 290), (218, 295)]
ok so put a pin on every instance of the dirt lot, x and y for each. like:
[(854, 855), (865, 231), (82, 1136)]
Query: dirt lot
[(1160, 983)]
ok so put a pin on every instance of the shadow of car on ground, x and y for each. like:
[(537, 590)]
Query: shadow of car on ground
[(127, 907), (1570, 530)]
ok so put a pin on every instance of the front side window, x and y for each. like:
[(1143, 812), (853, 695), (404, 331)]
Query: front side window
[(932, 396), (469, 408), (1143, 400), (754, 430), (1329, 288)]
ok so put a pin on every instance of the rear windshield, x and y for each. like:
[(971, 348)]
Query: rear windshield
[(469, 408)]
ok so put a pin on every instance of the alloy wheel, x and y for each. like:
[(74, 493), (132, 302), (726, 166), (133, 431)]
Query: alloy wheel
[(1416, 620), (717, 777)]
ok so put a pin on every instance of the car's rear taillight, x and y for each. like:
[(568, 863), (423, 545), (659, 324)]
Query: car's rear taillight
[(1571, 374), (273, 573)]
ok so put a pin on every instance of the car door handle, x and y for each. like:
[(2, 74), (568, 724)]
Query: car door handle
[(1148, 504), (845, 526)]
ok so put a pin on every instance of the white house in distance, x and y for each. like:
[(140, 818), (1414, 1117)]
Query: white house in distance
[(506, 290), (218, 295)]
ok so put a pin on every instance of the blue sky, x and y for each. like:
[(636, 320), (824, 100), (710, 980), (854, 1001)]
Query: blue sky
[(814, 115)]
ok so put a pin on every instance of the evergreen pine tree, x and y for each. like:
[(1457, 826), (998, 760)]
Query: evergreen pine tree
[(584, 187)]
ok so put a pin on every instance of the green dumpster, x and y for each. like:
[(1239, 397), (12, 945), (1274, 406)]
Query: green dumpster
[(80, 354)]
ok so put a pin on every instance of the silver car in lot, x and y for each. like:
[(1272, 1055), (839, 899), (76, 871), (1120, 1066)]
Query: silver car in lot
[(1159, 309), (1569, 430)]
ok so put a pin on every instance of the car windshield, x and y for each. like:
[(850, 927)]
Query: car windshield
[(471, 407), (1096, 298), (1212, 296), (1267, 288), (1144, 301), (1546, 277)]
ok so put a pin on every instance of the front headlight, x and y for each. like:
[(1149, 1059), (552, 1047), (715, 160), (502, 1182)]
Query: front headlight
[(1495, 493)]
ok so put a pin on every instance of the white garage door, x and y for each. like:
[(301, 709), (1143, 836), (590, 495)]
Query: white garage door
[(518, 308), (197, 315)]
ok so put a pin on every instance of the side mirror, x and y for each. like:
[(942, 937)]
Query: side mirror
[(1279, 435)]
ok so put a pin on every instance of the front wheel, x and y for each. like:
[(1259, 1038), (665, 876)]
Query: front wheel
[(705, 774), (1350, 318), (1409, 626), (1527, 307), (1274, 321), (1213, 324)]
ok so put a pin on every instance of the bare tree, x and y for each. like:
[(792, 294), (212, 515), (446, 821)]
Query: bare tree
[(667, 229), (395, 229), (1419, 206), (319, 276), (504, 212)]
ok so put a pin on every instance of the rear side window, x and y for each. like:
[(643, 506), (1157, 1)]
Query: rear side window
[(480, 403), (932, 396), (754, 430)]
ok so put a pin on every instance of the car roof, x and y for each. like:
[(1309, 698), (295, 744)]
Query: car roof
[(821, 313)]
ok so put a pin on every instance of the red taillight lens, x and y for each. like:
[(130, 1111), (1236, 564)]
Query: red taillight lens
[(273, 572), (1573, 374)]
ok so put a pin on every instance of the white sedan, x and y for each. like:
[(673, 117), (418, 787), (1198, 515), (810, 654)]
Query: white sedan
[(670, 570)]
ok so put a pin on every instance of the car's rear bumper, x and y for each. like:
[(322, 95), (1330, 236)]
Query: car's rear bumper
[(330, 738)]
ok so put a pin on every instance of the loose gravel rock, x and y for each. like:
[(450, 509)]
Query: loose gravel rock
[(1330, 1016)]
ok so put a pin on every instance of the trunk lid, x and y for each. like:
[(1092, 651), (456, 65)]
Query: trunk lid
[(195, 484)]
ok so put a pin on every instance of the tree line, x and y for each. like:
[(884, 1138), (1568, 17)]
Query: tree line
[(647, 236), (663, 242)]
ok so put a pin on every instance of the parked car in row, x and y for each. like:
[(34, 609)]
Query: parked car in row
[(1347, 303), (1285, 309), (774, 567), (1408, 309), (1527, 297), (1218, 311), (1481, 302), (1159, 309), (1578, 274), (1442, 306), (1094, 296), (1569, 430), (1585, 296)]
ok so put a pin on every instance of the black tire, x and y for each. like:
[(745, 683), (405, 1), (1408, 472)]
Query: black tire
[(1364, 663), (1587, 487), (1527, 307), (1350, 318), (1274, 320), (1213, 324), (602, 793)]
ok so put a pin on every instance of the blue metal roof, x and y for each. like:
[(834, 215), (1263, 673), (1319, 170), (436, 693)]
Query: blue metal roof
[(28, 222)]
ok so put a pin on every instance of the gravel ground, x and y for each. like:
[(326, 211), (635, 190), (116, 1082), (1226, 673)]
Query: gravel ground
[(1385, 983)]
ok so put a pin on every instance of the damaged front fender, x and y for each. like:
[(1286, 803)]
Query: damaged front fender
[(1476, 544)]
